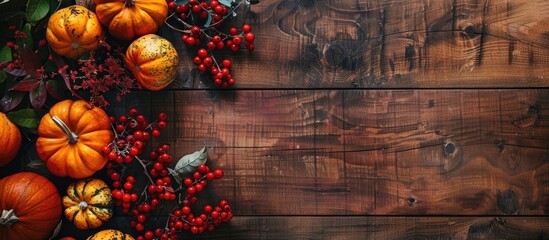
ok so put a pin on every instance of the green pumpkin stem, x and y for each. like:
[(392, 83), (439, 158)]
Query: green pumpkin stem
[(8, 218), (71, 136)]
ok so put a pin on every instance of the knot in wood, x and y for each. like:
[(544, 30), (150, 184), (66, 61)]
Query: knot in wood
[(449, 148)]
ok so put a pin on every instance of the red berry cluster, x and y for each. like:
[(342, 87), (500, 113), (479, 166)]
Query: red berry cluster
[(203, 20), (132, 133)]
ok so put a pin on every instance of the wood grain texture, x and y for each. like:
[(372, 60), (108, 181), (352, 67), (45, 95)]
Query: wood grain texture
[(358, 227), (387, 44), (383, 228), (386, 152)]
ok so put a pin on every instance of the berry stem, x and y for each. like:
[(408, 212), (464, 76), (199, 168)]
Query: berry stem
[(144, 169)]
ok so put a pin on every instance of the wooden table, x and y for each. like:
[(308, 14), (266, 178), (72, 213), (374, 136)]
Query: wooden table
[(374, 120)]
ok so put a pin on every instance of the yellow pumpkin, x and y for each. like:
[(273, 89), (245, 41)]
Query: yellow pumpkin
[(71, 138), (153, 61), (10, 140), (128, 19), (74, 31), (88, 203), (110, 234)]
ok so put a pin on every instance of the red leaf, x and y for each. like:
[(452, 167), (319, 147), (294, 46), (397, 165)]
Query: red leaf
[(38, 96), (60, 63), (26, 85), (18, 72), (31, 62), (11, 100), (54, 90)]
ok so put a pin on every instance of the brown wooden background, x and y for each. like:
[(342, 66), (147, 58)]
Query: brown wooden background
[(375, 119)]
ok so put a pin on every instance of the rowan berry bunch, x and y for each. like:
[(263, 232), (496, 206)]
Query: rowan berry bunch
[(164, 187), (203, 28)]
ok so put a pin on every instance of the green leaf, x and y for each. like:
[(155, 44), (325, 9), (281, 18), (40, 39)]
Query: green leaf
[(29, 40), (227, 3), (25, 118), (188, 163), (3, 76), (180, 2), (5, 54), (37, 9), (208, 21)]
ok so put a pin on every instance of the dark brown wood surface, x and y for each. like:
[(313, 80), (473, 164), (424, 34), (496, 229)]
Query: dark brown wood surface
[(388, 44), (384, 152), (384, 119)]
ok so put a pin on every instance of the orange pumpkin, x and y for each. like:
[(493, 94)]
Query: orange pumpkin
[(30, 205), (153, 61), (10, 140), (129, 19), (88, 203), (110, 234), (71, 138), (74, 31)]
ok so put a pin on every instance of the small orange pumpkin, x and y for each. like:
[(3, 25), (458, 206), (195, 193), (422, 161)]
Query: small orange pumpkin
[(74, 31), (129, 19), (88, 203), (10, 140), (71, 138), (110, 234), (153, 61), (30, 205)]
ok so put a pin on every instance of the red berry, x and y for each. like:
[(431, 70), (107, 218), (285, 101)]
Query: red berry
[(211, 45), (186, 210), (158, 166), (188, 182), (202, 168), (210, 176), (141, 218), (133, 112), (226, 63), (122, 118), (207, 208), (202, 53), (191, 190), (149, 235), (127, 198), (134, 151), (128, 186), (198, 187), (161, 124), (191, 41), (233, 31), (162, 116), (249, 37), (218, 173), (139, 227), (246, 28), (155, 133), (197, 175), (115, 176), (208, 61), (194, 229), (195, 30), (197, 60), (225, 71), (106, 150), (237, 40)]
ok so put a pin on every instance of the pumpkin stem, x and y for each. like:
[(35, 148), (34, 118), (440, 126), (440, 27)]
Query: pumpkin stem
[(71, 137), (129, 3), (83, 205), (8, 218)]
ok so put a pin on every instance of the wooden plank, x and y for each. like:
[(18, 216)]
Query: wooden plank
[(395, 152), (380, 227), (388, 44), (356, 227)]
